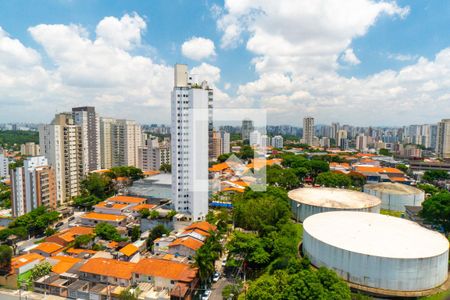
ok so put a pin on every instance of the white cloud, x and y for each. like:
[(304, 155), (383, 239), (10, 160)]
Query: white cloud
[(349, 57), (207, 72), (99, 71), (198, 48), (402, 57)]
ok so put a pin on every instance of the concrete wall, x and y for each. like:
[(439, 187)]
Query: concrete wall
[(395, 201), (378, 272), (302, 211)]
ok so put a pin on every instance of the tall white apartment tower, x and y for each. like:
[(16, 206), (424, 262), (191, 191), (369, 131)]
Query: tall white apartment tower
[(225, 141), (191, 117), (443, 139), (308, 130), (89, 122)]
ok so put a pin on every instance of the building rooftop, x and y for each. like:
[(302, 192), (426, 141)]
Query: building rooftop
[(110, 205), (375, 234), (143, 206), (22, 260), (166, 269), (69, 234), (188, 242), (129, 250), (334, 198), (126, 199), (48, 247), (64, 263), (108, 267), (103, 217), (202, 225), (393, 188)]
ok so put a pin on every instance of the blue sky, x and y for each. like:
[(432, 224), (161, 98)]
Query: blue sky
[(337, 62)]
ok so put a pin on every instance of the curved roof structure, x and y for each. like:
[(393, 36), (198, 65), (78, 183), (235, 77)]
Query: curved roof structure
[(375, 234), (393, 188), (334, 198)]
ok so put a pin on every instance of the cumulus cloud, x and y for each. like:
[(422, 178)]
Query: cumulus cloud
[(100, 71), (402, 57), (349, 57), (198, 48)]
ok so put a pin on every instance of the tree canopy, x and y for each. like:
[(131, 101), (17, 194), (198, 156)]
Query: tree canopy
[(333, 179), (436, 210), (126, 171), (433, 175), (5, 258), (156, 232), (107, 232)]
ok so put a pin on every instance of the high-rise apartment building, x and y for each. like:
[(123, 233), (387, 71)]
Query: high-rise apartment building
[(443, 139), (255, 138), (61, 143), (246, 129), (153, 155), (32, 185), (4, 166), (89, 122), (277, 141), (225, 136), (361, 142), (342, 141), (217, 144), (265, 141), (325, 142), (308, 130), (30, 149), (335, 127), (191, 124), (120, 141)]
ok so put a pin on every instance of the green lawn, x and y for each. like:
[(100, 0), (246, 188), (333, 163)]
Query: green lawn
[(440, 296), (392, 213), (25, 278)]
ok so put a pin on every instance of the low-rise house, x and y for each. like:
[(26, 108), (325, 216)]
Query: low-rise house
[(47, 249), (109, 207), (80, 253), (128, 252), (166, 274), (23, 263), (67, 236), (202, 226), (109, 271), (185, 246), (62, 264), (161, 245), (52, 284), (93, 218), (132, 201)]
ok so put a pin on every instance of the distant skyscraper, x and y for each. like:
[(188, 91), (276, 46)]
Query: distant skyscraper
[(277, 141), (217, 144), (325, 142), (361, 142), (61, 144), (255, 138), (308, 130), (30, 149), (265, 141), (153, 155), (89, 122), (190, 136), (225, 141), (342, 141), (443, 139), (246, 129), (120, 141), (32, 185), (335, 127), (4, 163)]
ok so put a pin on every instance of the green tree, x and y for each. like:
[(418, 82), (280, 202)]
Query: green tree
[(145, 213), (154, 214), (433, 175), (156, 232), (166, 168), (83, 240), (97, 185), (135, 233), (223, 157), (250, 247), (126, 171), (332, 179), (232, 291), (436, 210), (41, 269), (246, 152), (428, 188), (5, 259), (206, 256), (285, 178), (402, 167), (357, 179), (384, 152), (107, 232), (86, 202)]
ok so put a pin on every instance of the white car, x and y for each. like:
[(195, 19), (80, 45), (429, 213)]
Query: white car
[(216, 277), (224, 263), (206, 295)]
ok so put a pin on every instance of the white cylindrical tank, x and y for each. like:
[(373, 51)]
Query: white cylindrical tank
[(377, 251), (394, 196), (306, 202)]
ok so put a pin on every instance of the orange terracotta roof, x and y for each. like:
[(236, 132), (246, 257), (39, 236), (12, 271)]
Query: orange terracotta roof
[(7, 181), (151, 173), (22, 260), (79, 251), (240, 182), (377, 169), (168, 256), (188, 242), (127, 199), (202, 225), (122, 178), (103, 217), (113, 244), (129, 250), (100, 171), (233, 189), (399, 179), (108, 267), (342, 165), (196, 230), (64, 263), (49, 248), (70, 234), (166, 269), (143, 206), (104, 204), (219, 167), (365, 155)]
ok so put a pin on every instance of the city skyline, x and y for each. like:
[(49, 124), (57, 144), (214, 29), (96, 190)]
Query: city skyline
[(377, 58)]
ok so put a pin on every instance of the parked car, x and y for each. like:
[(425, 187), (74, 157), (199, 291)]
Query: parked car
[(59, 224), (71, 218), (216, 277), (206, 295)]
